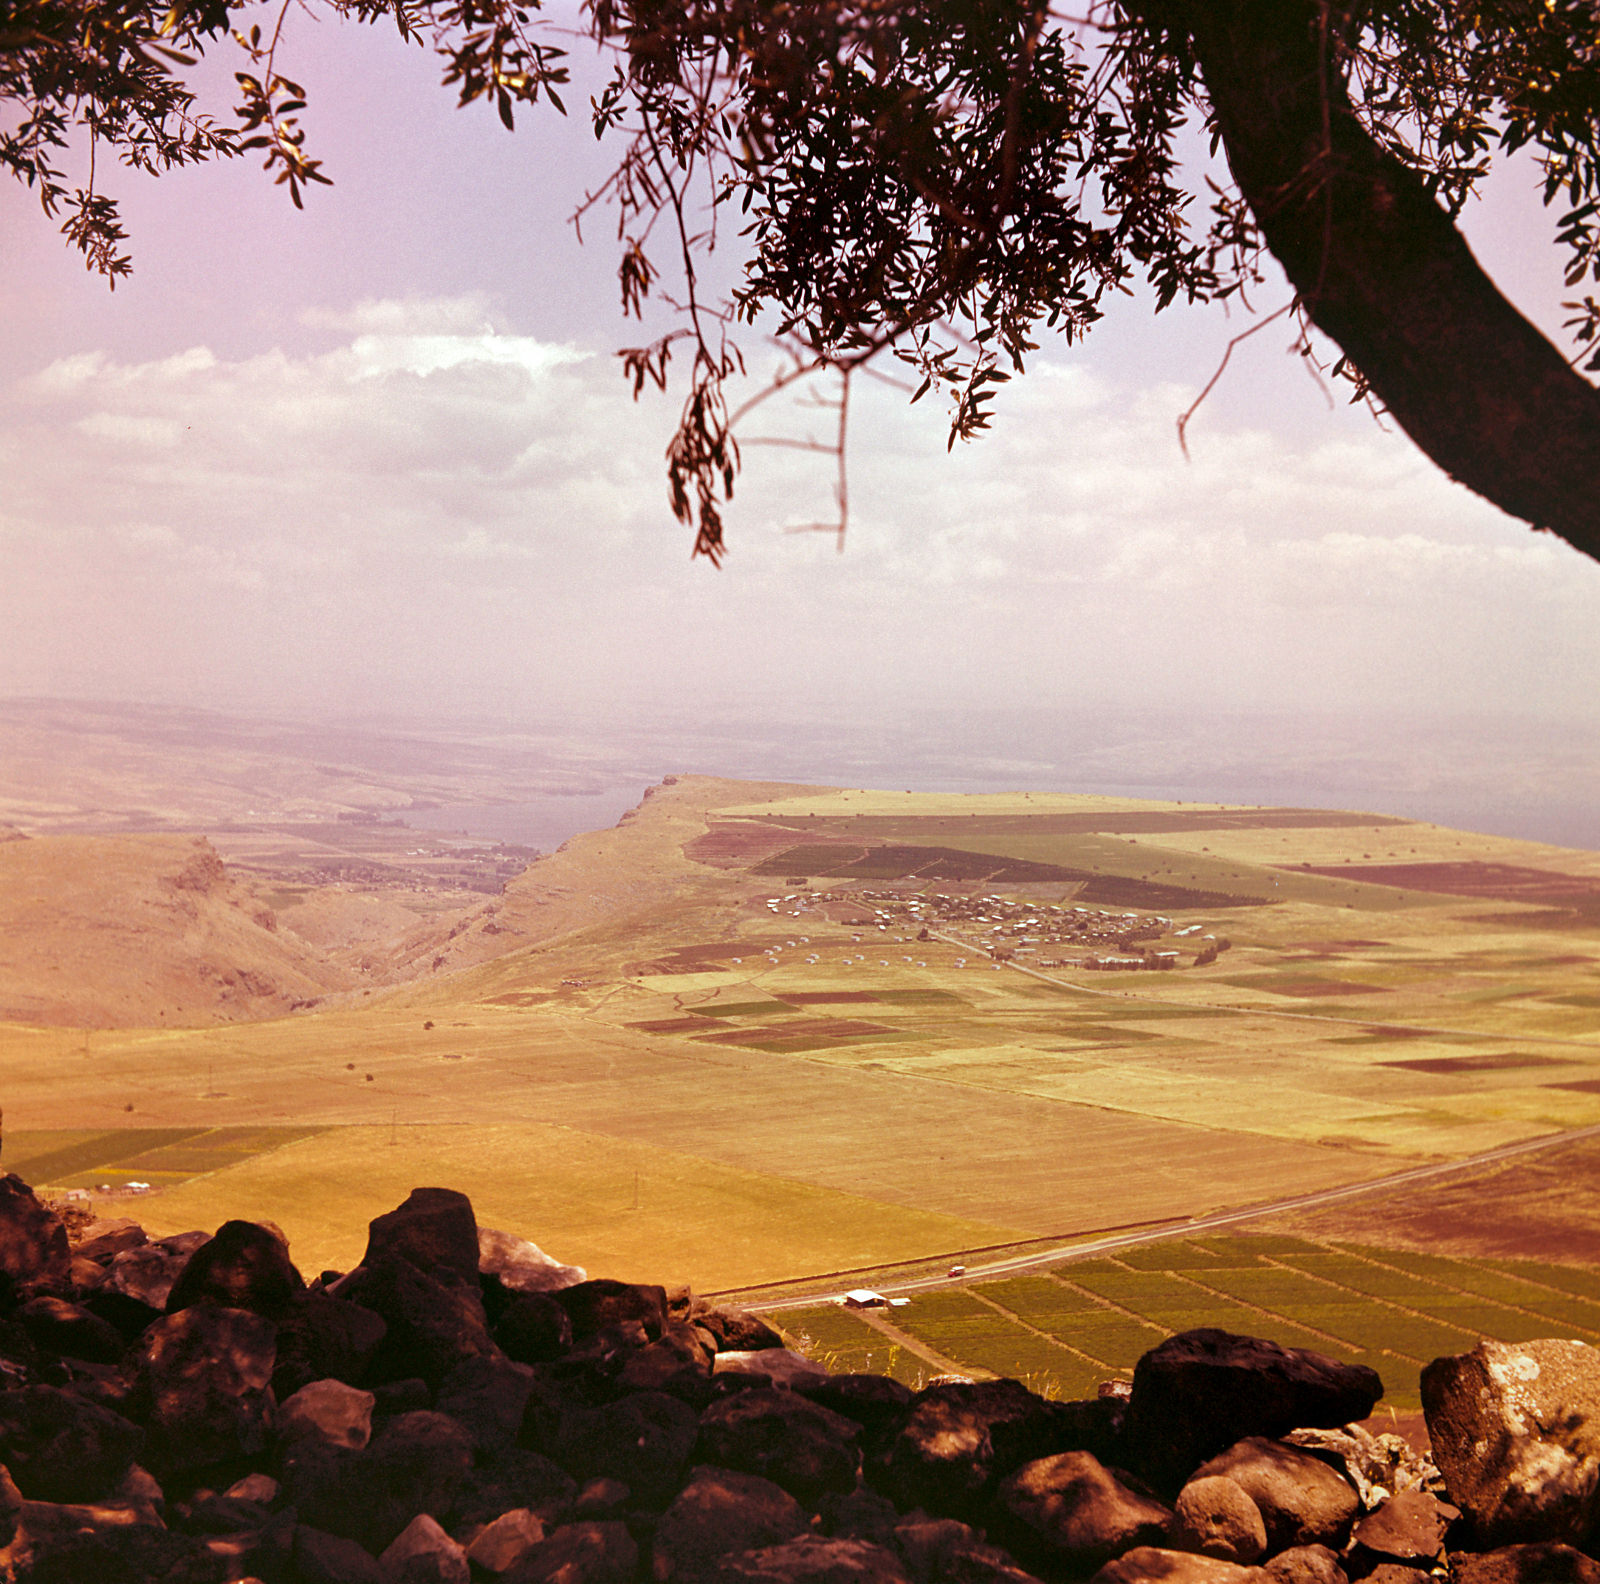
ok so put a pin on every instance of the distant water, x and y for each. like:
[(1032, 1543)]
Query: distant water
[(543, 823), (547, 822)]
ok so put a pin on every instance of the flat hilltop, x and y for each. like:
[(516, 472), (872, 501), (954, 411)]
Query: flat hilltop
[(763, 1030)]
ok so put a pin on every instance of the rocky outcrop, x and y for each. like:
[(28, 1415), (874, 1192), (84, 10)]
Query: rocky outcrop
[(451, 1412)]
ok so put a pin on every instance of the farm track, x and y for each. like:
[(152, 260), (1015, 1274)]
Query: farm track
[(1220, 1220)]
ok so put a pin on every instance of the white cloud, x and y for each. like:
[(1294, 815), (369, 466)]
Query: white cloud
[(429, 501)]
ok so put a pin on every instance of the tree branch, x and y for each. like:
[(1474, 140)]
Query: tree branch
[(1381, 269)]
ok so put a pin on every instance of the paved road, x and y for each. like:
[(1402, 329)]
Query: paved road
[(1272, 1012), (1201, 1224)]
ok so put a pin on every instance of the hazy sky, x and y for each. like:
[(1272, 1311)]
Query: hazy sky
[(379, 455)]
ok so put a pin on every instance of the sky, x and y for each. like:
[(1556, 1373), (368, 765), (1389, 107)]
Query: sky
[(379, 457)]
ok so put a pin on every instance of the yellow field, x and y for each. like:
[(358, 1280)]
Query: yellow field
[(800, 1089)]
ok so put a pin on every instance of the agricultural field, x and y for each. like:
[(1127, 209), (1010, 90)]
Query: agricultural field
[(758, 1032), (1068, 1328)]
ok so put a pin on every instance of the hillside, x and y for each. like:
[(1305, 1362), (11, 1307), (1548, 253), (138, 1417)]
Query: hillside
[(101, 932)]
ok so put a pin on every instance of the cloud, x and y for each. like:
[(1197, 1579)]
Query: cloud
[(431, 506)]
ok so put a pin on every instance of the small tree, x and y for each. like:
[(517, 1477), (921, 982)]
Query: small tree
[(939, 182)]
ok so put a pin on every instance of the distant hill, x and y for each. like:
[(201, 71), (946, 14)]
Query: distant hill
[(142, 930)]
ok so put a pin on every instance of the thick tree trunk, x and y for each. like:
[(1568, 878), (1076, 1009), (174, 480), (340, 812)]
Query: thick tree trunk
[(1382, 270)]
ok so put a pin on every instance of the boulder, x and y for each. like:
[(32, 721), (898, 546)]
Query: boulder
[(959, 1439), (1313, 1564), (580, 1553), (1515, 1429), (432, 1324), (592, 1306), (321, 1558), (811, 1559), (202, 1387), (780, 1436), (1152, 1565), (862, 1514), (422, 1553), (720, 1511), (1069, 1511), (434, 1229), (947, 1551), (644, 1440), (778, 1366), (147, 1271), (1547, 1563), (1301, 1499), (678, 1361), (1409, 1527), (875, 1402), (533, 1328), (1216, 1517), (521, 1266), (735, 1330), (61, 1448), (71, 1331), (323, 1338), (245, 1266), (76, 1545), (1201, 1391), (488, 1395), (329, 1412), (33, 1242), (104, 1238), (505, 1541), (516, 1480)]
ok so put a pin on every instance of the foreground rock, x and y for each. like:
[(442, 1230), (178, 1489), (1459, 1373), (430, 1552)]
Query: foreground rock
[(461, 1409), (1516, 1434)]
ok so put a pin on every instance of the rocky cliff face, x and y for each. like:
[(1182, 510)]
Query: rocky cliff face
[(460, 1407)]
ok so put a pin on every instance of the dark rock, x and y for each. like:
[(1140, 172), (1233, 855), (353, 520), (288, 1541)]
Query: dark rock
[(393, 1398), (489, 1395), (720, 1511), (959, 1439), (129, 1316), (1093, 1425), (1217, 1518), (1409, 1527), (434, 1229), (505, 1540), (772, 1367), (245, 1266), (323, 1338), (102, 1240), (735, 1330), (61, 1448), (644, 1440), (1313, 1564), (861, 1514), (202, 1387), (523, 1267), (594, 1305), (1547, 1563), (422, 1553), (1152, 1565), (328, 1412), (1302, 1500), (1396, 1573), (516, 1479), (533, 1328), (947, 1551), (811, 1560), (1069, 1510), (1201, 1391), (581, 1553), (33, 1242), (147, 1272), (71, 1331), (875, 1402), (1515, 1429), (677, 1362), (77, 1545), (432, 1325), (217, 1515), (780, 1436), (10, 1506), (601, 1498), (321, 1558)]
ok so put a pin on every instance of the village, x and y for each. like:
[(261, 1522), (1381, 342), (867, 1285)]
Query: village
[(1022, 932)]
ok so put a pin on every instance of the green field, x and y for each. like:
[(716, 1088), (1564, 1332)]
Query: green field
[(1065, 1330)]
